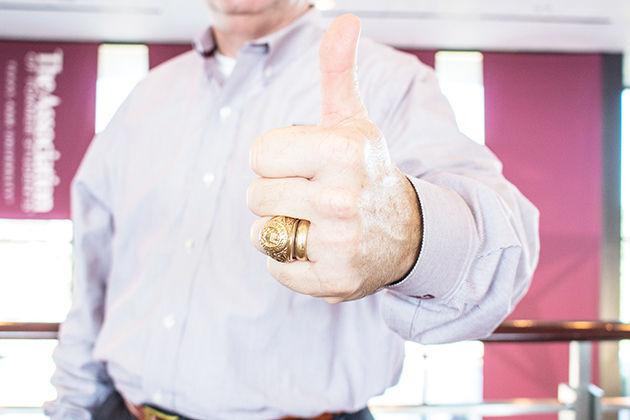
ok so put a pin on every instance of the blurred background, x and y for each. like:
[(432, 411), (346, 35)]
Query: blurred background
[(541, 82)]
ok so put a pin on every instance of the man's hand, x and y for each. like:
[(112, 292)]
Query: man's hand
[(365, 219)]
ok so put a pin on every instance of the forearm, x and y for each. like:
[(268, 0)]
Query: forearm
[(82, 382)]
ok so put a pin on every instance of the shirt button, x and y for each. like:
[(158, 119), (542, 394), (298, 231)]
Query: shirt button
[(225, 112), (189, 245), (268, 72), (208, 179), (168, 322)]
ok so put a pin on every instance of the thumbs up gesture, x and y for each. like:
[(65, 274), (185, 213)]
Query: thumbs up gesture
[(365, 223)]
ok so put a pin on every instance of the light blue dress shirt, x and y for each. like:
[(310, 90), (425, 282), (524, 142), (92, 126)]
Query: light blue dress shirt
[(173, 306)]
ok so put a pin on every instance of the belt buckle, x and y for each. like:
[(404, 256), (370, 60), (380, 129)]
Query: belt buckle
[(151, 413)]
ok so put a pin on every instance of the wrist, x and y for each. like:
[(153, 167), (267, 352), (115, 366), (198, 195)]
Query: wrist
[(413, 226)]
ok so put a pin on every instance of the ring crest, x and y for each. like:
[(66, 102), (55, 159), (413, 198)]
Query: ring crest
[(277, 238)]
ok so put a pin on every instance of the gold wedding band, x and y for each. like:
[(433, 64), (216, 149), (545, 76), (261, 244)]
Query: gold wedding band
[(284, 238), (301, 234)]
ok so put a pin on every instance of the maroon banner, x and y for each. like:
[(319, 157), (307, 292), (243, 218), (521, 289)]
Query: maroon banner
[(160, 53), (544, 120), (426, 56), (47, 106)]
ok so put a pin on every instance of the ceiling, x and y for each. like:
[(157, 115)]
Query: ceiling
[(540, 25)]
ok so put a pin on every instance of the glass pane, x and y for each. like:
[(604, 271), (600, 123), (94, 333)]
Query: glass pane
[(120, 68), (410, 388), (25, 370), (427, 378), (461, 80), (36, 270)]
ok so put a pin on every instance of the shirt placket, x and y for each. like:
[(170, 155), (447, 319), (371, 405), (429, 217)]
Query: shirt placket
[(198, 219)]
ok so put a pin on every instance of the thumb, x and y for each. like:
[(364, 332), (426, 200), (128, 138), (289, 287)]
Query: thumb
[(337, 61)]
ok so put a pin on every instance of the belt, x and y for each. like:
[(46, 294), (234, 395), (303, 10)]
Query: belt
[(147, 412)]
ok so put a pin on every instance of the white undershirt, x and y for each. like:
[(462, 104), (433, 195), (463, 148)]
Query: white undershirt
[(225, 64)]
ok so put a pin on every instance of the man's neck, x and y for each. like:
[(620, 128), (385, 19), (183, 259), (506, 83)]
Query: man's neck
[(232, 32)]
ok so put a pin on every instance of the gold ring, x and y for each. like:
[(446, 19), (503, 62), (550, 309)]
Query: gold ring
[(277, 238), (301, 235), (284, 238)]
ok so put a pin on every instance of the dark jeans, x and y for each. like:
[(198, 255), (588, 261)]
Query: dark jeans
[(114, 409)]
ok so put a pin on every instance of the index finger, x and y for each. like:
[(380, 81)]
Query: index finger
[(288, 152)]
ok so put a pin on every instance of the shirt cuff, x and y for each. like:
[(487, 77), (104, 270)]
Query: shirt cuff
[(56, 411), (448, 238)]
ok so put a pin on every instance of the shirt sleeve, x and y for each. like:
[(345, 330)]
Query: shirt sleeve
[(82, 383), (480, 234)]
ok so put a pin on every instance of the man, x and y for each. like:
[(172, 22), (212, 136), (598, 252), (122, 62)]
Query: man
[(414, 233)]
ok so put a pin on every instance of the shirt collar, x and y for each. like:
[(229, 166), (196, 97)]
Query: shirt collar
[(204, 43), (276, 45)]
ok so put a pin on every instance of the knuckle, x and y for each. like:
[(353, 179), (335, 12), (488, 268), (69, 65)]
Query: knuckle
[(339, 202)]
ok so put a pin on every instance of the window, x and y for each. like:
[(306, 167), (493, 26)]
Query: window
[(461, 79), (120, 68), (36, 270), (25, 370), (34, 286)]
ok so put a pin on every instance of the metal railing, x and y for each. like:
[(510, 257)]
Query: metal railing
[(578, 397), (28, 330)]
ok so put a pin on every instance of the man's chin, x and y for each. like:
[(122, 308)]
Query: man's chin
[(240, 7)]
